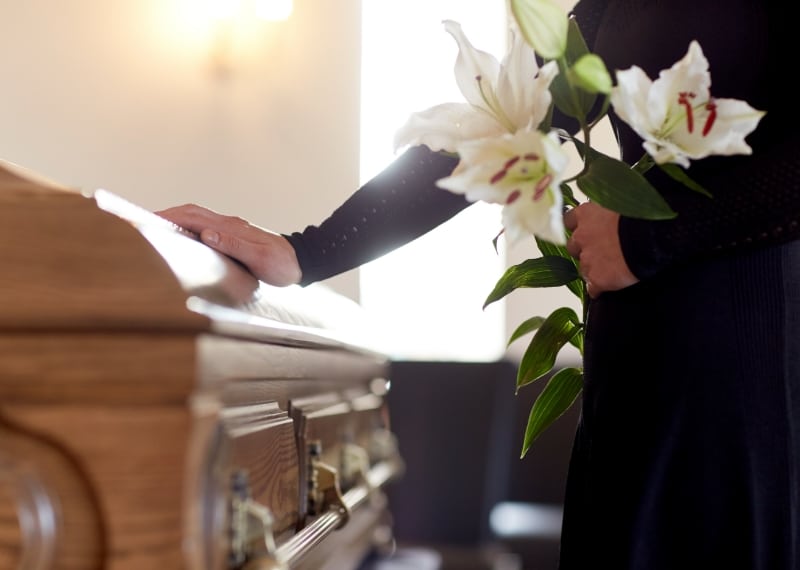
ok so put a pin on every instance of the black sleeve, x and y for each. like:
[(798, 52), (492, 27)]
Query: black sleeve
[(398, 205), (756, 202), (756, 198)]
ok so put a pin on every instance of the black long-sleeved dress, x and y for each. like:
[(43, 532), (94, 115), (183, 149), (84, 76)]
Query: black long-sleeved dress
[(688, 450)]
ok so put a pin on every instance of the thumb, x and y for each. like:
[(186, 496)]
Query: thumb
[(593, 290), (211, 238), (229, 244)]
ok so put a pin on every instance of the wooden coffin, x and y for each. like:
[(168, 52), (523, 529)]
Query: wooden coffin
[(161, 408)]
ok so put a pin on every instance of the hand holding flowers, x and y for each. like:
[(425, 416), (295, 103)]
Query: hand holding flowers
[(510, 154), (594, 240)]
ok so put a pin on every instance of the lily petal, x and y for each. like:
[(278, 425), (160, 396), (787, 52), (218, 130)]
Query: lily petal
[(443, 126), (523, 89), (476, 70), (677, 117), (521, 171), (630, 101), (499, 97)]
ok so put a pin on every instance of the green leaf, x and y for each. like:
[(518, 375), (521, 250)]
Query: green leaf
[(572, 102), (552, 249), (576, 44), (548, 271), (557, 397), (496, 239), (616, 186), (679, 174), (540, 356), (529, 325), (577, 340), (569, 197), (549, 248)]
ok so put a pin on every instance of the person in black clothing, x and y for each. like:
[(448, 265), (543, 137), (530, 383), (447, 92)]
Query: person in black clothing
[(687, 454)]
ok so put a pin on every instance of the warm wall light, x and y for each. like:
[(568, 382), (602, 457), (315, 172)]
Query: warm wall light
[(273, 10), (236, 27), (223, 9)]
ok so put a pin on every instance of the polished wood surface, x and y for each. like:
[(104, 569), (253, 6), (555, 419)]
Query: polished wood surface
[(69, 264), (157, 402)]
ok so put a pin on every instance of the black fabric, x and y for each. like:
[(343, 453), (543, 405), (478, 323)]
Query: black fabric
[(688, 450), (756, 198), (397, 206)]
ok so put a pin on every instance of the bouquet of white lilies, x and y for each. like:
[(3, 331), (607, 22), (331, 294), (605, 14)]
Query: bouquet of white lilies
[(509, 154)]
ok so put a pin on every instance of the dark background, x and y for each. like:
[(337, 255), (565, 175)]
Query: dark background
[(460, 428)]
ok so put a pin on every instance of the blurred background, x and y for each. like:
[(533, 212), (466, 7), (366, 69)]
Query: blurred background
[(275, 120), (276, 111)]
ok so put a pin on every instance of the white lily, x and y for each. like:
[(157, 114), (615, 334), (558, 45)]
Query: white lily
[(500, 97), (676, 115), (523, 172)]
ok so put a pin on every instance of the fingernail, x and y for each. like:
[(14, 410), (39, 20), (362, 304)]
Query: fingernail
[(211, 237)]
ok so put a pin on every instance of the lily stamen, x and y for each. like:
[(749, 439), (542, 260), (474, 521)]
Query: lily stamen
[(683, 99), (498, 176), (541, 186), (711, 107), (490, 99)]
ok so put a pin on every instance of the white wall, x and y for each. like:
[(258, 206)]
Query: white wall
[(444, 276), (126, 95)]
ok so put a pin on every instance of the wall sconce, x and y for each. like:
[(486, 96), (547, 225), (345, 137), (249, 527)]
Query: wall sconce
[(238, 24), (269, 10), (273, 10)]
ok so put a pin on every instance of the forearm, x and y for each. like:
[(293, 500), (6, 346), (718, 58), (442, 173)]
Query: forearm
[(398, 205), (755, 203)]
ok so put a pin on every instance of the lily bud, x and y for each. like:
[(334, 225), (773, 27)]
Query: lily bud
[(590, 73), (544, 25)]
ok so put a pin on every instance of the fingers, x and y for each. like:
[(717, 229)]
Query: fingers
[(571, 223), (573, 248), (571, 219), (592, 290), (235, 247), (190, 217), (210, 224), (222, 233), (580, 245), (266, 254), (213, 238)]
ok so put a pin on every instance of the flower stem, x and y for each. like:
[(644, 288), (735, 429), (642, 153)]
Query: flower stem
[(644, 164)]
